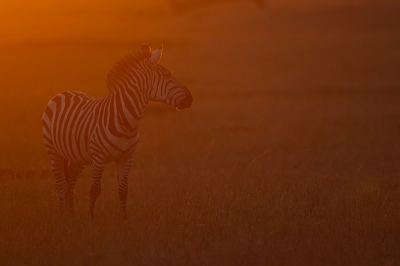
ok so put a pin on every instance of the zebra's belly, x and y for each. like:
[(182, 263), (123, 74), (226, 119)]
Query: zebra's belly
[(110, 147), (82, 148)]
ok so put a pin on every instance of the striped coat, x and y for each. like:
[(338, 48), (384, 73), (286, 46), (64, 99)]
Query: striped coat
[(80, 130)]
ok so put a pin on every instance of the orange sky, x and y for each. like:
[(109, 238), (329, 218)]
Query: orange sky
[(44, 20), (48, 20)]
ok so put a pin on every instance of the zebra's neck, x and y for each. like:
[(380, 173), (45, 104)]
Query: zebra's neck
[(127, 106)]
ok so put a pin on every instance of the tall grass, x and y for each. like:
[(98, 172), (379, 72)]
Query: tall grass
[(309, 184)]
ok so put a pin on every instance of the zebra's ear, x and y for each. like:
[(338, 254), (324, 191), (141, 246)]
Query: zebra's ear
[(145, 47), (156, 56)]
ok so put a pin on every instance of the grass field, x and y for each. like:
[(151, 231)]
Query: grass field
[(289, 155)]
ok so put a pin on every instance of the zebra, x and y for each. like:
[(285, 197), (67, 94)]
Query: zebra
[(80, 130)]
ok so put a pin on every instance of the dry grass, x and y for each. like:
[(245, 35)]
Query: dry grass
[(290, 154), (326, 190)]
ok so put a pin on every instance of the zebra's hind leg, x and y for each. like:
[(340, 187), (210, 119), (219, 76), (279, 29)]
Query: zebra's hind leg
[(97, 172), (124, 165), (74, 170), (58, 164)]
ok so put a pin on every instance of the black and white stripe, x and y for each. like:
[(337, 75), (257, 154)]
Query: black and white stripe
[(79, 130)]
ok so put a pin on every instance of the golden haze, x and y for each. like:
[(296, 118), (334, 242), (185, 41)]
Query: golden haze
[(289, 154)]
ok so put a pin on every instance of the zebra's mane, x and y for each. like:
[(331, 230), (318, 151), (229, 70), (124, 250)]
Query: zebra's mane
[(123, 67)]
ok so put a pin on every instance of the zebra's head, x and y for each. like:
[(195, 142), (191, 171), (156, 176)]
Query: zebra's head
[(164, 87)]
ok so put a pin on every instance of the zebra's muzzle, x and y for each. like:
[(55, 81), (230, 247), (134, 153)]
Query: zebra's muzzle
[(183, 105), (185, 102)]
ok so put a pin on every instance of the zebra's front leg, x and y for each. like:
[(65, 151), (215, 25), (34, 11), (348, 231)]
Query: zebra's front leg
[(97, 172), (73, 172), (124, 165)]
